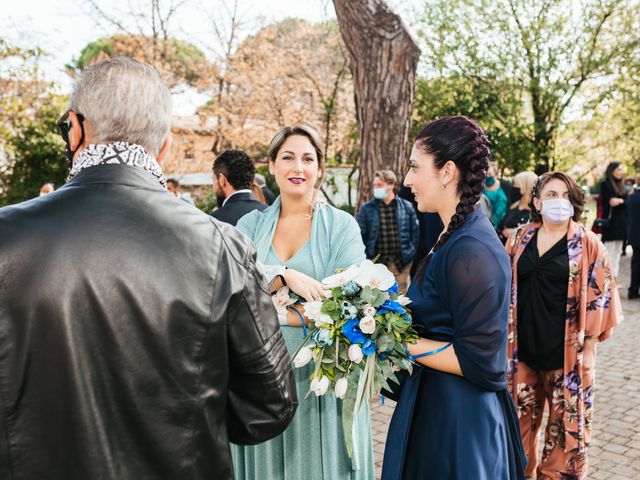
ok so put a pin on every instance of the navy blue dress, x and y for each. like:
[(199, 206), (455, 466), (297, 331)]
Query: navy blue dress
[(445, 426)]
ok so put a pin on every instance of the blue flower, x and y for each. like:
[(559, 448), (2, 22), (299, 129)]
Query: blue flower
[(369, 347), (393, 289), (322, 337), (350, 289), (352, 332), (391, 306)]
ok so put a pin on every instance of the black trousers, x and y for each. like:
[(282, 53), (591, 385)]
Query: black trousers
[(634, 288)]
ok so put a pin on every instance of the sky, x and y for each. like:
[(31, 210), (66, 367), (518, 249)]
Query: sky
[(63, 29)]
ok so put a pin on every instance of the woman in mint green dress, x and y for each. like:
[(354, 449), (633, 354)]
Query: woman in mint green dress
[(311, 240)]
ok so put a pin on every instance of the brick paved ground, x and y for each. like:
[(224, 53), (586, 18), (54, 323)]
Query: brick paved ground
[(615, 447)]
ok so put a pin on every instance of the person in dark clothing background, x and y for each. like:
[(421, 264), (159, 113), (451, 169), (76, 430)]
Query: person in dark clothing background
[(269, 196), (173, 186), (629, 185), (633, 239), (519, 213), (233, 173), (612, 196), (389, 227)]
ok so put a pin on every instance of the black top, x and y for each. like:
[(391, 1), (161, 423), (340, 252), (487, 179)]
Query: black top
[(513, 219), (617, 228), (542, 305), (633, 210)]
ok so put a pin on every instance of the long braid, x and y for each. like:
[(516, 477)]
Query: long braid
[(470, 151)]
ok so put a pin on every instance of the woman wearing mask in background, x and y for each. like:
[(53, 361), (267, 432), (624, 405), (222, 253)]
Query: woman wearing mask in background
[(495, 198), (564, 299), (309, 241), (454, 418), (612, 194), (520, 212)]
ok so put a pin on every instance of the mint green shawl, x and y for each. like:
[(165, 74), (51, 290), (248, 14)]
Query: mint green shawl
[(335, 237)]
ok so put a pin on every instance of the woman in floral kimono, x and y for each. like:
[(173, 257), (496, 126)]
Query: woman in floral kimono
[(564, 299)]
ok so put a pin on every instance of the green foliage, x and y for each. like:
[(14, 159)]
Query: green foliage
[(91, 52), (497, 106), (350, 209), (176, 61), (38, 155), (270, 179), (554, 55), (207, 204)]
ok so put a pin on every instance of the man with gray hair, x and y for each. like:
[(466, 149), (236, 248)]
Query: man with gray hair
[(137, 336)]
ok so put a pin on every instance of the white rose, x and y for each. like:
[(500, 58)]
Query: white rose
[(369, 310), (341, 387), (323, 319), (404, 300), (312, 310), (367, 324), (328, 294), (304, 356), (319, 387), (355, 353)]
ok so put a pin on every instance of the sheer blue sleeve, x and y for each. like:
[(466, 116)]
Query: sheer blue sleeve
[(478, 283)]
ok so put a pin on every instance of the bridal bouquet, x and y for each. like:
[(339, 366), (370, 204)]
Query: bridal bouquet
[(357, 337)]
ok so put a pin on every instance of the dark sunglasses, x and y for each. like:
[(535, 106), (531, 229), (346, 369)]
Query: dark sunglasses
[(64, 125)]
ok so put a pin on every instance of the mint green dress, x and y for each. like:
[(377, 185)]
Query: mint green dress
[(312, 447)]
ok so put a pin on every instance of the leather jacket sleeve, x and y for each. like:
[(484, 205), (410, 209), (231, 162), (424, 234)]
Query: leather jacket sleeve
[(262, 389)]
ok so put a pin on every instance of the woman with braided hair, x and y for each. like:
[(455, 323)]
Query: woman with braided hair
[(454, 418)]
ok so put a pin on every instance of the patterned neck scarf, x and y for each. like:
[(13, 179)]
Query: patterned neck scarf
[(118, 153)]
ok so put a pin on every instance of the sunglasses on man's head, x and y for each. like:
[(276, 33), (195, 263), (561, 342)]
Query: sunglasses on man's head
[(64, 125)]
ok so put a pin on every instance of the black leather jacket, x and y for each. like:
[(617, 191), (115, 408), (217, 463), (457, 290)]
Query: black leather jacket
[(136, 336)]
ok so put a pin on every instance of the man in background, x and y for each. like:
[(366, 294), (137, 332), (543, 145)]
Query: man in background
[(47, 188), (173, 186), (233, 173), (389, 227)]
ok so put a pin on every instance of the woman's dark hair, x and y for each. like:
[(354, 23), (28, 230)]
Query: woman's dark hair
[(616, 184), (461, 140), (576, 195)]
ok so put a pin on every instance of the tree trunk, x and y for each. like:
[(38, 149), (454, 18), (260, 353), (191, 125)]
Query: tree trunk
[(384, 58)]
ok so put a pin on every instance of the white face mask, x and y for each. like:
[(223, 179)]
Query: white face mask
[(557, 210), (380, 193)]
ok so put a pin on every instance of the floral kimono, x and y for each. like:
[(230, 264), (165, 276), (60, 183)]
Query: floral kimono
[(593, 309)]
